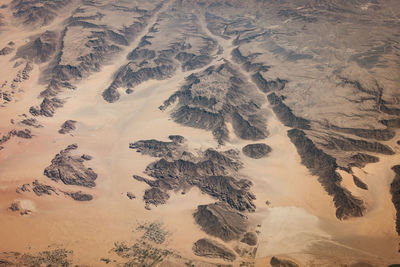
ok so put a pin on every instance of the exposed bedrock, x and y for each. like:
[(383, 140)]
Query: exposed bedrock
[(47, 107), (213, 172), (250, 238), (285, 114), (216, 96), (212, 249), (324, 166), (359, 183), (79, 196), (395, 191), (37, 13), (278, 262), (70, 169), (350, 144), (256, 151), (220, 220), (41, 48), (67, 127), (268, 86), (377, 134), (361, 159), (247, 62)]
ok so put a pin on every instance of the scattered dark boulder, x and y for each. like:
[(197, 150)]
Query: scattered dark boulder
[(6, 50), (31, 122), (275, 262), (212, 249), (86, 157), (67, 127), (250, 239), (155, 196), (70, 169), (220, 220), (130, 195), (256, 151)]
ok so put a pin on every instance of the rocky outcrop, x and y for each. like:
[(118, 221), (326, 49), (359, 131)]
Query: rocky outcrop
[(212, 249), (256, 151), (324, 166), (268, 86), (361, 159), (213, 172), (277, 262), (159, 149), (38, 188), (37, 13), (216, 96), (377, 134), (250, 239), (79, 196), (40, 49), (285, 114), (359, 183), (70, 169), (221, 221), (67, 127), (130, 195), (350, 144), (395, 191), (47, 107)]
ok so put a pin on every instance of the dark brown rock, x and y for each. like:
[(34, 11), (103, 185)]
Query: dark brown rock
[(79, 196), (70, 169), (220, 220), (250, 239), (256, 151), (395, 191), (276, 262), (359, 183), (325, 166), (212, 249), (67, 127)]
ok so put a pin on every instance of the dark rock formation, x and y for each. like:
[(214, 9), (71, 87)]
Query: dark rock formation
[(212, 172), (244, 129), (215, 96), (212, 249), (349, 144), (250, 239), (395, 191), (256, 151), (276, 262), (324, 166), (393, 123), (359, 183), (156, 148), (67, 127), (268, 86), (378, 134), (6, 50), (285, 114), (130, 195), (79, 196), (42, 189), (47, 107), (40, 49), (360, 160), (57, 257), (220, 220), (37, 13), (70, 169), (32, 122)]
